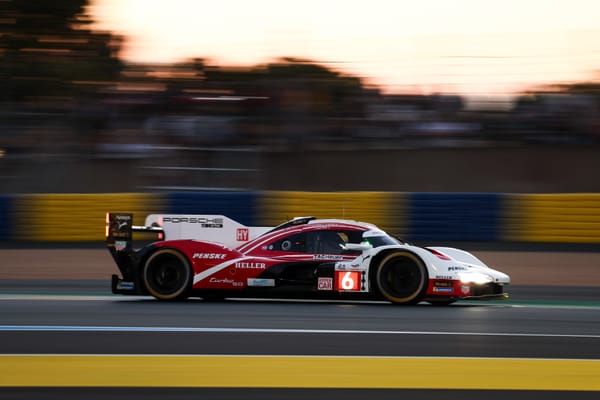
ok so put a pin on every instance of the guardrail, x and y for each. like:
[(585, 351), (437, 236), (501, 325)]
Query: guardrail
[(476, 217)]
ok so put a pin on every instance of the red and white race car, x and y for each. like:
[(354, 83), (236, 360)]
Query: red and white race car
[(212, 256)]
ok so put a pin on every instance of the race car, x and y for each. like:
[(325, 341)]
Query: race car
[(215, 257)]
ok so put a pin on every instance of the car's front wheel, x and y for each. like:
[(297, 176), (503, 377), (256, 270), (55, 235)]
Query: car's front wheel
[(167, 275), (402, 278)]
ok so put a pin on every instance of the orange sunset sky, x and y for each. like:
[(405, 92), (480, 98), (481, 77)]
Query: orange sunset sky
[(473, 47)]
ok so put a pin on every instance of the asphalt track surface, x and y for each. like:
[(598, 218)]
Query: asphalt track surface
[(63, 335), (73, 340)]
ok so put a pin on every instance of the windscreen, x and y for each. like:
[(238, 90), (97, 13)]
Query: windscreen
[(379, 239)]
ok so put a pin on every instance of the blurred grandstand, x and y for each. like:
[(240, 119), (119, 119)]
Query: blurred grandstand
[(75, 118)]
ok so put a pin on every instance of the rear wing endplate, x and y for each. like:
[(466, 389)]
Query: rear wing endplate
[(120, 228)]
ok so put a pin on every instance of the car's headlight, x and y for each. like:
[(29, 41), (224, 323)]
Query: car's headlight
[(475, 277)]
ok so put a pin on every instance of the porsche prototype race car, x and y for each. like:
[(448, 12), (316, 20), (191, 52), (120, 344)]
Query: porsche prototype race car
[(212, 256)]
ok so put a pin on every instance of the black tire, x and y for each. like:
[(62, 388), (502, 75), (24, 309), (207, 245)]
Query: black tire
[(402, 278), (167, 275)]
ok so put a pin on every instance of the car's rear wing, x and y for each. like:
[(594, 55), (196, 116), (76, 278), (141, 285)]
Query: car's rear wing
[(120, 228), (214, 228)]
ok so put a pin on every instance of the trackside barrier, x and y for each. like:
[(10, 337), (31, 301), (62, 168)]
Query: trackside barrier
[(6, 217), (240, 206), (384, 209), (454, 216), (429, 217), (553, 218), (75, 217)]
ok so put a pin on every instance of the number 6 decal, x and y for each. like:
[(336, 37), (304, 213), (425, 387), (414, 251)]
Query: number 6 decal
[(347, 280)]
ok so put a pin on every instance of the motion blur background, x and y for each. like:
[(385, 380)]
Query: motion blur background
[(472, 123), (462, 98)]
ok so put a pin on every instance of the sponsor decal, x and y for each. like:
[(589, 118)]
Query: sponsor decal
[(443, 290), (465, 290), (325, 283), (261, 282), (250, 265), (327, 257), (347, 280), (120, 245), (209, 256), (226, 281), (124, 285), (342, 266), (202, 221), (447, 277), (242, 234), (119, 226), (457, 268)]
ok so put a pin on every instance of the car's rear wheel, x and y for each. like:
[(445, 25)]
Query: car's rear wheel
[(402, 278), (167, 275)]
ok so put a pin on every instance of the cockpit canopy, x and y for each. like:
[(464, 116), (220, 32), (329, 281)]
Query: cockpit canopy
[(377, 238)]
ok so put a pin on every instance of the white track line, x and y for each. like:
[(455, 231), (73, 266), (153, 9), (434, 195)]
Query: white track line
[(67, 328)]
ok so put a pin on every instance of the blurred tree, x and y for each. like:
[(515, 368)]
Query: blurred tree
[(289, 95), (288, 86), (309, 88), (48, 52), (591, 87)]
